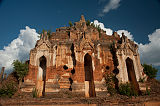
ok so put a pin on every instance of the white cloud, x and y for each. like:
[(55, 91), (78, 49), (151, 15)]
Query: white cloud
[(112, 5), (108, 30), (19, 48), (150, 53)]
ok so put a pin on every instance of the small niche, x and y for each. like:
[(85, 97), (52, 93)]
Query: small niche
[(65, 67), (107, 67)]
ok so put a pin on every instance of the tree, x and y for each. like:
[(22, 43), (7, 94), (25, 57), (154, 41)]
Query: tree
[(49, 33), (150, 71), (88, 22), (98, 28), (70, 24), (20, 69)]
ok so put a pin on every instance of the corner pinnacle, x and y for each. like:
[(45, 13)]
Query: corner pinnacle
[(82, 18)]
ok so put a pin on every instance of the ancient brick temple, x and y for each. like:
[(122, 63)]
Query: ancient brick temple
[(76, 58)]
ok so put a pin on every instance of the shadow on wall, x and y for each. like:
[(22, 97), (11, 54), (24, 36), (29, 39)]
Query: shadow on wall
[(132, 75), (89, 75), (73, 55), (43, 63), (116, 63)]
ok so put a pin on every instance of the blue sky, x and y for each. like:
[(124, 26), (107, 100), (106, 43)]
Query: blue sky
[(139, 17)]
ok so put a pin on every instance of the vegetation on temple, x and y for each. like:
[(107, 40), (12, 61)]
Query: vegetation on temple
[(70, 24), (110, 83), (49, 33), (34, 93), (88, 22)]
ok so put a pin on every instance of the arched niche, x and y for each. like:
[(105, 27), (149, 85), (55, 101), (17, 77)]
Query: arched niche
[(131, 74), (42, 74), (89, 80)]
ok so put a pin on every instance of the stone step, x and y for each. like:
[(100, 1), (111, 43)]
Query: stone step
[(144, 86), (65, 82), (52, 85)]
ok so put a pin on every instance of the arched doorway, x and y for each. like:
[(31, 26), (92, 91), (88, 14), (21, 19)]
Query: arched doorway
[(131, 74), (89, 81), (42, 74)]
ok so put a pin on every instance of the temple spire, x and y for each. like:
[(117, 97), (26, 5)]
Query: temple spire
[(82, 18)]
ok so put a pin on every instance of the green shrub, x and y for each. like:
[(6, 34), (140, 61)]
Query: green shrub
[(147, 91), (150, 71), (111, 90), (49, 33), (141, 80), (88, 22), (8, 89), (70, 24), (127, 89), (34, 93), (97, 27), (110, 83)]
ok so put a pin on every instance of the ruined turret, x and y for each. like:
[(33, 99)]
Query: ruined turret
[(2, 73), (82, 19), (115, 34), (81, 25)]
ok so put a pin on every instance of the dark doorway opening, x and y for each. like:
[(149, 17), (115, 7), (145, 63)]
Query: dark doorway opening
[(42, 64), (131, 75), (89, 75)]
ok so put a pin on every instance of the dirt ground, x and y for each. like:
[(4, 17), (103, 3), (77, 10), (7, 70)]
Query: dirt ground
[(69, 98)]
